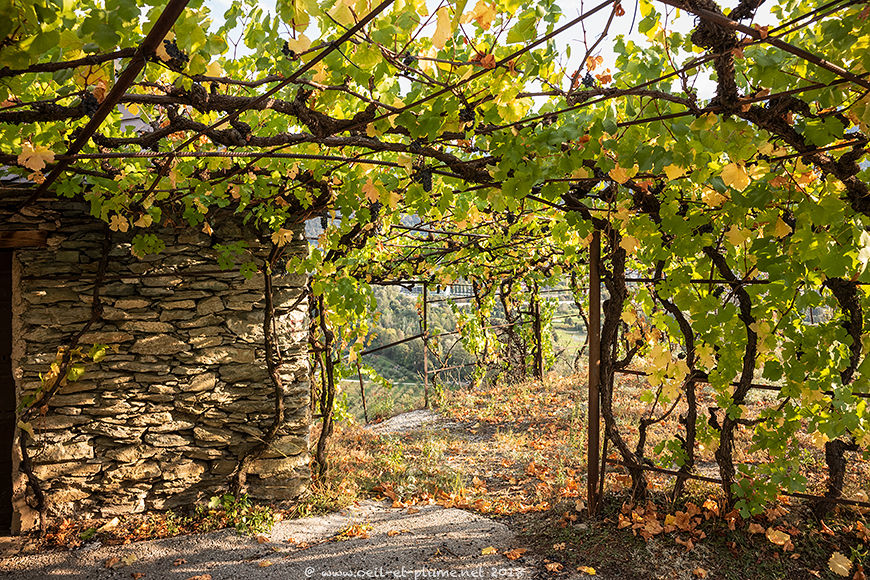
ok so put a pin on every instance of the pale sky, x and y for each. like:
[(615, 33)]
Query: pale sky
[(574, 36)]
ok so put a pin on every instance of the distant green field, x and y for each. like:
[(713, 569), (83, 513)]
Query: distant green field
[(381, 402), (402, 365)]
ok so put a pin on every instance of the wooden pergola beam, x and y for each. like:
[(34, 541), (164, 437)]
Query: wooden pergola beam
[(22, 239)]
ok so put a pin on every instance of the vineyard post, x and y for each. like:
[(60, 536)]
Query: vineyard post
[(593, 333), (539, 350), (426, 345), (362, 390)]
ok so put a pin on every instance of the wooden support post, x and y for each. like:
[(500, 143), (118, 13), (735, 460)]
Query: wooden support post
[(594, 334), (539, 343), (362, 391), (426, 345)]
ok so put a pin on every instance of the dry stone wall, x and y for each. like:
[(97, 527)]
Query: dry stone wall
[(183, 392)]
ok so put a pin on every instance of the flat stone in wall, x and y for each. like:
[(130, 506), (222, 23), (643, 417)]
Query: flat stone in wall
[(183, 390)]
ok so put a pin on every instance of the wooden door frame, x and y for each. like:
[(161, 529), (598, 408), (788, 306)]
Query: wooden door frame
[(23, 517)]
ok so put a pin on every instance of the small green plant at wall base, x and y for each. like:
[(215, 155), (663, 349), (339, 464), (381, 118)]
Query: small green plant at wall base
[(228, 511)]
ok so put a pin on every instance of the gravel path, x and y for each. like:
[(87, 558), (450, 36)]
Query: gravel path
[(422, 543), (405, 422), (417, 544)]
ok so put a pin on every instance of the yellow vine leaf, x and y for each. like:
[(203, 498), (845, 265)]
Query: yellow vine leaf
[(819, 438), (341, 12), (840, 564), (442, 29), (781, 229), (483, 14), (766, 148), (674, 171), (712, 197), (735, 175), (27, 428), (737, 236), (214, 70), (488, 550), (860, 113), (629, 244), (704, 122), (35, 158), (144, 221), (119, 223), (393, 198), (282, 236), (299, 44), (371, 191), (620, 175), (90, 75), (706, 356), (321, 73)]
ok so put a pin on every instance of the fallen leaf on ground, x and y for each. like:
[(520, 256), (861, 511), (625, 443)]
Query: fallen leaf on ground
[(488, 550), (777, 537), (137, 575), (699, 573), (516, 553), (839, 564), (589, 570), (559, 546), (553, 566), (200, 577), (110, 525), (265, 563), (756, 528), (113, 561), (261, 539), (179, 562)]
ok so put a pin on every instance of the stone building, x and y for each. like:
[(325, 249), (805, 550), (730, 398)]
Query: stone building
[(183, 390)]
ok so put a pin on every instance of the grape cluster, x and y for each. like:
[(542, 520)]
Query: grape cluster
[(588, 81), (408, 59), (466, 115), (423, 176), (177, 58), (376, 210), (90, 104), (280, 266), (286, 51)]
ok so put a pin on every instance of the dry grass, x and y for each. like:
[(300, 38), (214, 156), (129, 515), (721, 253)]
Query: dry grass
[(517, 453)]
